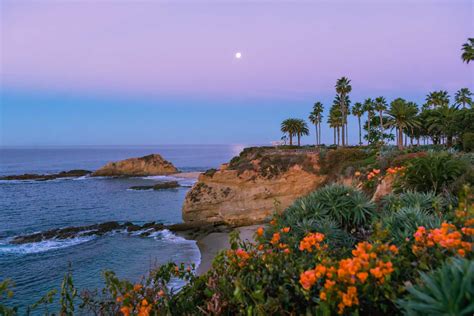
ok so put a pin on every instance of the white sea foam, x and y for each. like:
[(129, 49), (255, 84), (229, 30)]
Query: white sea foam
[(184, 182), (42, 246)]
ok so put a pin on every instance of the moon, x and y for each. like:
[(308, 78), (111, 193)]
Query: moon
[(238, 55)]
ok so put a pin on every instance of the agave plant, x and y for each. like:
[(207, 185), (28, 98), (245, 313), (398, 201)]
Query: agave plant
[(448, 290), (348, 207), (424, 201), (403, 223)]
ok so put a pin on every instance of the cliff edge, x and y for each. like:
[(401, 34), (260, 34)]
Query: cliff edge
[(249, 188)]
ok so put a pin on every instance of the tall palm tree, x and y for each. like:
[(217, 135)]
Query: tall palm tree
[(289, 126), (443, 120), (468, 51), (402, 116), (316, 117), (301, 129), (463, 96), (437, 99), (358, 111), (380, 105), (343, 88), (334, 121), (369, 109)]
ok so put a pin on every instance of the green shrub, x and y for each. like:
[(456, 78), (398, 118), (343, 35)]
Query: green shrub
[(468, 142), (403, 223), (348, 207), (448, 290), (437, 172), (424, 201)]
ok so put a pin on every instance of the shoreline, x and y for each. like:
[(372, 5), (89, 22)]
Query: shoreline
[(211, 244)]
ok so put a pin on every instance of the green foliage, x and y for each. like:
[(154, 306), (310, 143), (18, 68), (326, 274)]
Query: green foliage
[(435, 172), (6, 293), (448, 290), (68, 294), (424, 201), (403, 223), (468, 142), (348, 207)]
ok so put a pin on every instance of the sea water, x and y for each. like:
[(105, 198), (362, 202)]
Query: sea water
[(34, 206)]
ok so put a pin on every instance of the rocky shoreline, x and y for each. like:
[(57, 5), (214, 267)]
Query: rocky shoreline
[(188, 231), (76, 173)]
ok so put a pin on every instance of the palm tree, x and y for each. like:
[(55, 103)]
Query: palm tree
[(301, 129), (468, 51), (343, 88), (443, 120), (316, 117), (334, 121), (437, 99), (289, 126), (402, 116), (463, 96), (358, 111), (380, 105), (369, 108)]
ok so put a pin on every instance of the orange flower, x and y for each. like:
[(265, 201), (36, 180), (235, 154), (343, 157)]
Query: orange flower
[(329, 284), (357, 174), (285, 229), (322, 296), (260, 231), (310, 241), (376, 171), (161, 293), (119, 299), (362, 276), (125, 310), (275, 238), (307, 279), (137, 287)]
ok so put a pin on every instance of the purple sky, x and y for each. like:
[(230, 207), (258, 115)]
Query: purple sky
[(183, 51)]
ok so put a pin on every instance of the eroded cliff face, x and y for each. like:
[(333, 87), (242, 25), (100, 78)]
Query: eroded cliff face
[(246, 190), (150, 165)]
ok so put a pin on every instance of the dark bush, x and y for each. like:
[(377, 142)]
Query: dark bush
[(468, 142)]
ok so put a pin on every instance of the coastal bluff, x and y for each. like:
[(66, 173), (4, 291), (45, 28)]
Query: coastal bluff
[(252, 186), (150, 165)]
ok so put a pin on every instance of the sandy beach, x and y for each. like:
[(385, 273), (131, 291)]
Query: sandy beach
[(212, 243)]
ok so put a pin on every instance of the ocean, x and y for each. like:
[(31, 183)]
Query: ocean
[(33, 206)]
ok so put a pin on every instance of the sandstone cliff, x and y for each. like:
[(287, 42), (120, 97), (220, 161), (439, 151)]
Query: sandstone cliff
[(150, 165), (246, 190)]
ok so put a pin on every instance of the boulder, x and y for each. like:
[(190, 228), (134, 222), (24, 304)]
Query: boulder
[(151, 165), (158, 186)]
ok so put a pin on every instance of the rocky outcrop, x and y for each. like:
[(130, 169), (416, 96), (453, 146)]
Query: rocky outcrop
[(252, 186), (385, 187), (44, 177), (151, 165), (158, 186)]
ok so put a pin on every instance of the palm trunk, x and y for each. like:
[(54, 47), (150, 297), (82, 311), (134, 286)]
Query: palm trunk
[(334, 135), (299, 139), (368, 130), (338, 136), (400, 138), (381, 127), (291, 139), (319, 133), (316, 130), (347, 132), (360, 132), (343, 112)]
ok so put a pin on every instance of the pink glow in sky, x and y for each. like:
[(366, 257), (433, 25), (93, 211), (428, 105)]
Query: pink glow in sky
[(188, 47)]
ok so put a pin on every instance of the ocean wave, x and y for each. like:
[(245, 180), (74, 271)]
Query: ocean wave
[(42, 246)]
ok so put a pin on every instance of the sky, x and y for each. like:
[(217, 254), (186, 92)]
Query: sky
[(116, 72)]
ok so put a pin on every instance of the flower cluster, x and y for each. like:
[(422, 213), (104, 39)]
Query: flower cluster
[(340, 281), (239, 256), (373, 174), (132, 304), (311, 241), (395, 170), (447, 237)]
